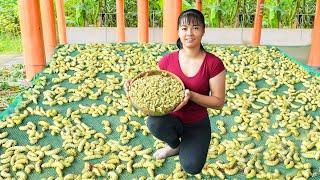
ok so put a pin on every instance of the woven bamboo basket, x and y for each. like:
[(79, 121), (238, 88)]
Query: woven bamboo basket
[(151, 73)]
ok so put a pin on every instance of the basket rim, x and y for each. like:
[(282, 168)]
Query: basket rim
[(146, 73)]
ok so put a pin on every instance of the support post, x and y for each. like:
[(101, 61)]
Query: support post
[(171, 12), (120, 20), (61, 22), (48, 26), (32, 39), (199, 5), (143, 21), (314, 54), (256, 35)]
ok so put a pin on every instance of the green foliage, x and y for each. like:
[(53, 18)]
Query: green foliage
[(187, 4), (218, 13), (289, 13), (247, 12), (213, 11), (155, 13), (229, 13), (10, 44), (273, 11), (307, 9), (131, 14), (83, 12), (9, 20), (10, 85)]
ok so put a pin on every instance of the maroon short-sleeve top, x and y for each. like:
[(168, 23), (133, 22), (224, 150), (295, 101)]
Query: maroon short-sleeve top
[(210, 67)]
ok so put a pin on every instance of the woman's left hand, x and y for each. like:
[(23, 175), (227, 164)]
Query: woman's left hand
[(187, 95)]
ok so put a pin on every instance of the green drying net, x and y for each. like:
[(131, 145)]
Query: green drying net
[(75, 122)]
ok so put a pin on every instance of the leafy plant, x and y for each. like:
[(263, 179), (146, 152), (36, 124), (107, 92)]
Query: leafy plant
[(9, 20), (155, 13), (230, 11), (212, 10), (218, 13), (10, 85), (273, 12), (289, 17), (10, 44), (84, 12), (187, 5), (247, 13), (306, 15)]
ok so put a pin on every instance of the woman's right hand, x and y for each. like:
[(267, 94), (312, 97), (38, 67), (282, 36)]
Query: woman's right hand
[(126, 86)]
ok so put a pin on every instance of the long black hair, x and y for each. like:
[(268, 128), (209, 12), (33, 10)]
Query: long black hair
[(190, 16)]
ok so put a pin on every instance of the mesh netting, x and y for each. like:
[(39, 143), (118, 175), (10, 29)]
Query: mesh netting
[(122, 61)]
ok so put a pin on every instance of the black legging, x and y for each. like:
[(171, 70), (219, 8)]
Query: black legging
[(195, 139)]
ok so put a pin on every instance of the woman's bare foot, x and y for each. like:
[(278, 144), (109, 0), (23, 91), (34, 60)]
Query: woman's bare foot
[(166, 152)]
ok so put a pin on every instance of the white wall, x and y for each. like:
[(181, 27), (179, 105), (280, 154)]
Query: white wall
[(280, 37)]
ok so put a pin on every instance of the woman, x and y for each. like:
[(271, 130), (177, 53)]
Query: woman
[(187, 130)]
